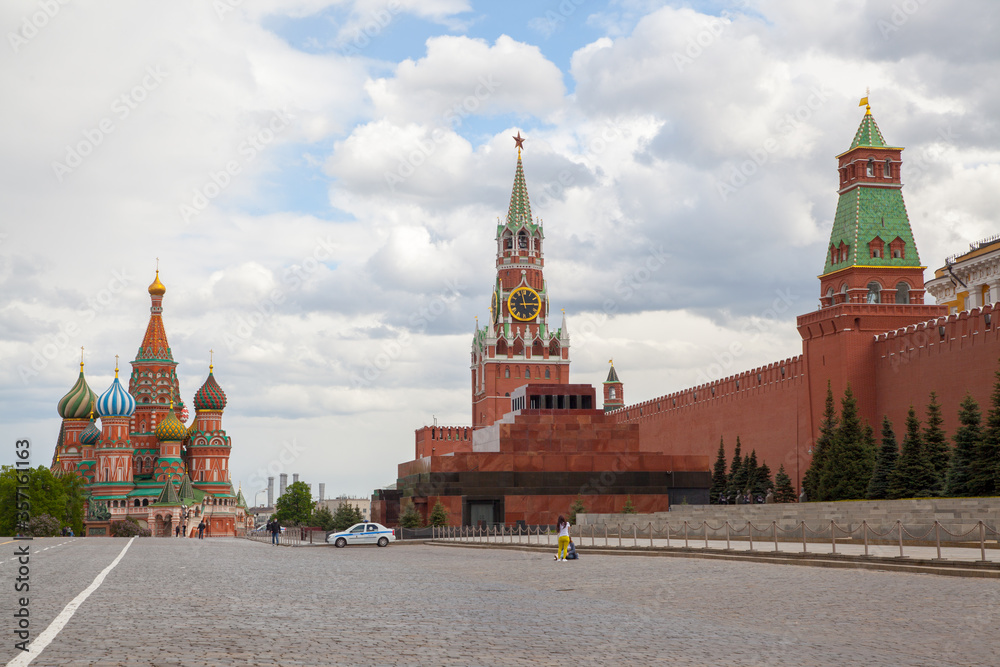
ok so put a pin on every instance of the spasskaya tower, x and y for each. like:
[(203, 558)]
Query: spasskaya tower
[(518, 345)]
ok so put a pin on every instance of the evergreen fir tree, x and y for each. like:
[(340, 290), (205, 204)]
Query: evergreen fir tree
[(914, 474), (849, 459), (719, 479), (734, 470), (811, 482), (967, 440), (986, 468), (784, 492), (764, 481), (752, 472), (629, 508), (885, 463), (439, 515), (742, 476), (576, 508), (936, 444)]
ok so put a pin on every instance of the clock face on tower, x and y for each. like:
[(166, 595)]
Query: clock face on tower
[(524, 304), (496, 307)]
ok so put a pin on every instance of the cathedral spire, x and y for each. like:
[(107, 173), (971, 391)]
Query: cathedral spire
[(154, 342)]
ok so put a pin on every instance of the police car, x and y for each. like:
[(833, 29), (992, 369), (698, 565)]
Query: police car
[(362, 533)]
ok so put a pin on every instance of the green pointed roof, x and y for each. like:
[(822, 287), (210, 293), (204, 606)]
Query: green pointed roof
[(519, 211), (868, 134), (169, 495), (612, 376), (186, 489), (240, 500)]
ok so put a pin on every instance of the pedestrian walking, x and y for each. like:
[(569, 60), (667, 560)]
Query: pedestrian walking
[(275, 531), (562, 526), (201, 530), (177, 531)]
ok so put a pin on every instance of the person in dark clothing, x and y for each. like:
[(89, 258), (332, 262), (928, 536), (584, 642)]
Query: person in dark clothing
[(571, 551), (275, 531), (177, 531), (201, 530)]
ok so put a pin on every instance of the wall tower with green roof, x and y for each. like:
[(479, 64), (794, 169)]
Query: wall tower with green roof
[(871, 257), (872, 279)]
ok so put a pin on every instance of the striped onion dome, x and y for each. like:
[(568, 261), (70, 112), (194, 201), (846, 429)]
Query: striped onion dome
[(76, 403), (170, 428), (116, 402), (210, 396), (90, 435)]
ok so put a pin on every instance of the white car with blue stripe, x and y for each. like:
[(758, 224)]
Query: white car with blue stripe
[(362, 533)]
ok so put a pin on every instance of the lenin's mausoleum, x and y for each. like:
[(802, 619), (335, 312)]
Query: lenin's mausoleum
[(537, 442)]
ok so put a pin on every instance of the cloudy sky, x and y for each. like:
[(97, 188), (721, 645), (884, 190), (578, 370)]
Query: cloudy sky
[(320, 180)]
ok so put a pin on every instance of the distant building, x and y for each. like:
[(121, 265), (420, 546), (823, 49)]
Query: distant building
[(333, 504)]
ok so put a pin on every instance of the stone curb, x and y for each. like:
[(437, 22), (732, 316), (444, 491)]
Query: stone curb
[(989, 570)]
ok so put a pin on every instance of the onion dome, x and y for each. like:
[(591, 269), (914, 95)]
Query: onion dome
[(170, 428), (91, 434), (210, 396), (156, 288), (116, 402), (76, 403)]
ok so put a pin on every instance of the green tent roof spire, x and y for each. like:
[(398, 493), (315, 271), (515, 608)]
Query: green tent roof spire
[(168, 496), (868, 133), (519, 211)]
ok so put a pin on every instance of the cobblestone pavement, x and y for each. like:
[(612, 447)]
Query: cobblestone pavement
[(236, 602)]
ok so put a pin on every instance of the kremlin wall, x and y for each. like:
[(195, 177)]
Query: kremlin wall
[(528, 460)]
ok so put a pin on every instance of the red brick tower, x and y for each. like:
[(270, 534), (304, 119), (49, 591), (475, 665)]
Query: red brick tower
[(872, 282), (614, 393), (153, 383), (518, 345)]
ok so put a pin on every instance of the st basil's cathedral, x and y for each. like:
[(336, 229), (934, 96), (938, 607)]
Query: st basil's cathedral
[(142, 462)]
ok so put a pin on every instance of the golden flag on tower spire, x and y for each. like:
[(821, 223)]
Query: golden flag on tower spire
[(863, 102)]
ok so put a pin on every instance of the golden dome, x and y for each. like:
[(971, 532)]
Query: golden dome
[(156, 287)]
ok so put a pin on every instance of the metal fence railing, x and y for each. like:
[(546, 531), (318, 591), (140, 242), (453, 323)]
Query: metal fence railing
[(978, 543)]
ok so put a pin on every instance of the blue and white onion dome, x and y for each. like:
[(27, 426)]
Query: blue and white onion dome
[(116, 402)]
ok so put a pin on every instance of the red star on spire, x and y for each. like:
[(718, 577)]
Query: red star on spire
[(518, 141)]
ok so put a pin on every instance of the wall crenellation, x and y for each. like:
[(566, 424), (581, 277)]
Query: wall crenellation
[(762, 378)]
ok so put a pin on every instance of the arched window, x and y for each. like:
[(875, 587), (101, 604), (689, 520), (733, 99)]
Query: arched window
[(506, 372), (887, 169), (870, 171), (508, 241), (527, 373), (522, 240), (874, 293), (547, 373), (612, 393), (902, 293), (145, 502)]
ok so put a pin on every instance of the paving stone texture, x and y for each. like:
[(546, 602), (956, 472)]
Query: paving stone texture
[(237, 602)]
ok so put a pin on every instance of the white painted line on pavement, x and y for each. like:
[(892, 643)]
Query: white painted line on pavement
[(60, 621)]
